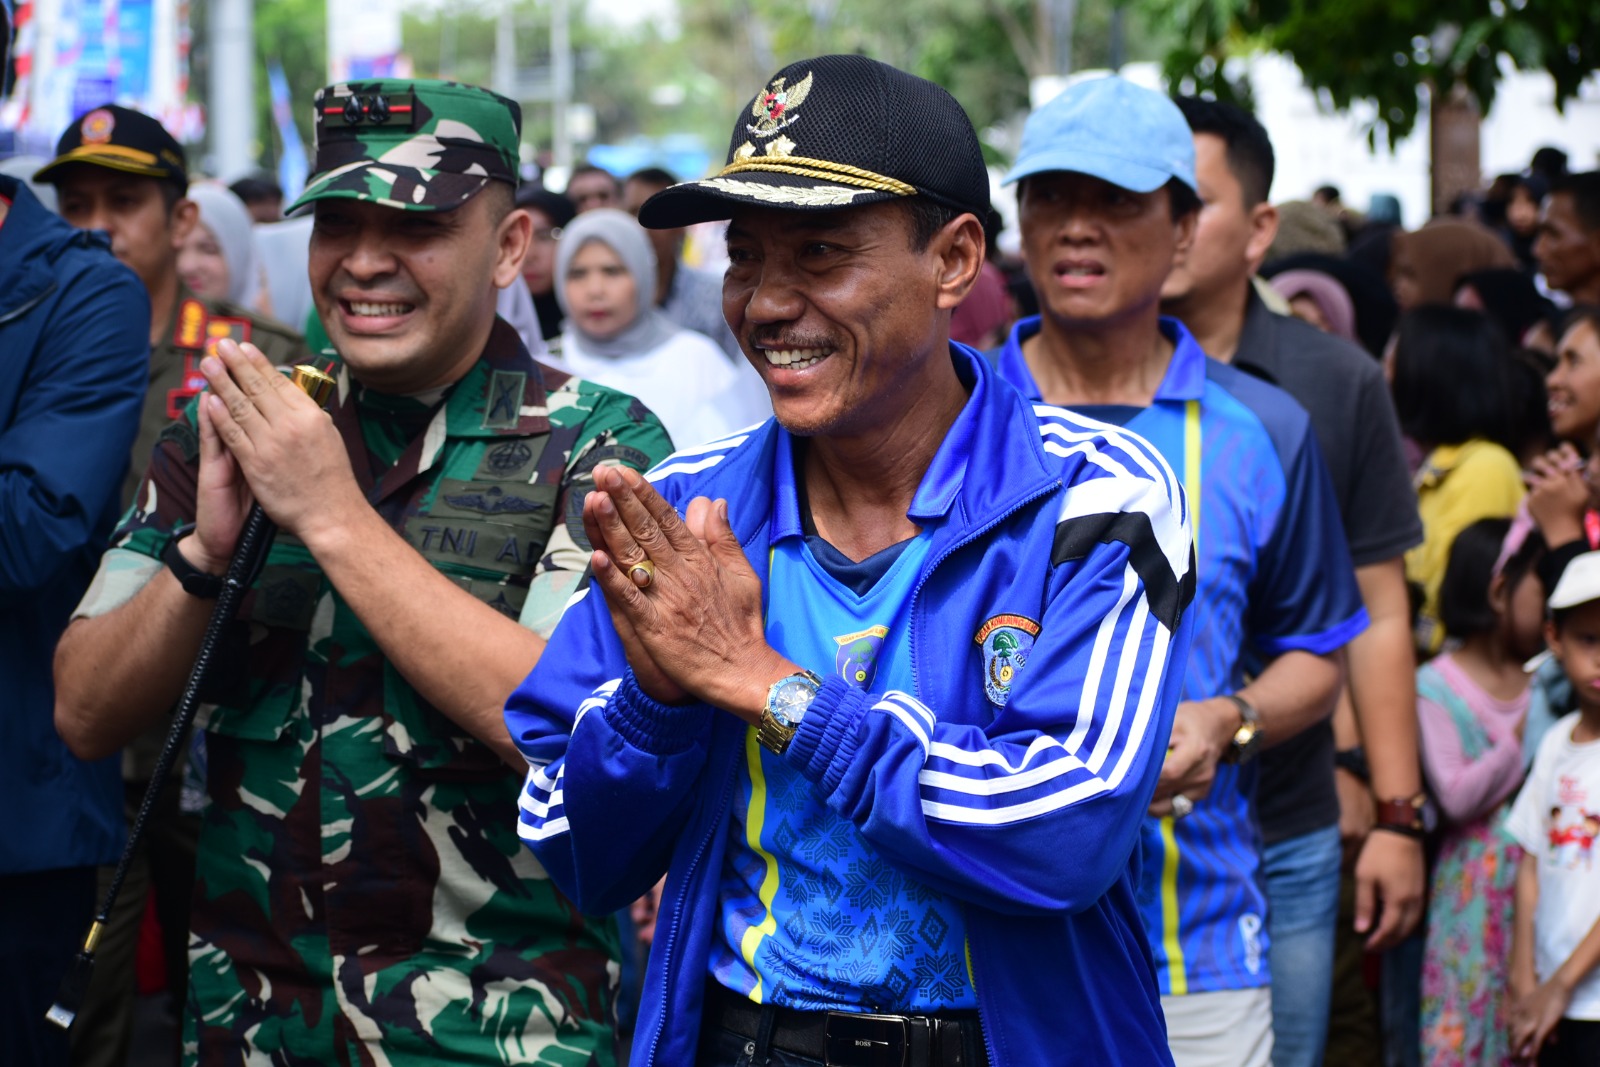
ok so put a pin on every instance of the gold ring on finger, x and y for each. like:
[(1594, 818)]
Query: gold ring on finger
[(642, 573)]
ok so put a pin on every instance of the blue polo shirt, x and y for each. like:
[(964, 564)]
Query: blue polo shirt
[(812, 917), (1274, 575)]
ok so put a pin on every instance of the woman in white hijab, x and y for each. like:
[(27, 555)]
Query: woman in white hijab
[(615, 335), (219, 261)]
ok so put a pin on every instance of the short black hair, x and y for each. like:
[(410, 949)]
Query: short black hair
[(1584, 189), (1450, 377), (1464, 590), (1549, 161), (501, 198), (257, 188), (1250, 154), (557, 208), (1329, 193), (928, 217), (654, 176), (589, 168)]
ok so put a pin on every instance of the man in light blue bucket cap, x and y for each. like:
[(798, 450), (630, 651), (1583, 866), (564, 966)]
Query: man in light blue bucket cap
[(1108, 205)]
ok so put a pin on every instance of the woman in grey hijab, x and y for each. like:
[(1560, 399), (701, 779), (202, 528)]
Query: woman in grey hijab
[(219, 261), (616, 336)]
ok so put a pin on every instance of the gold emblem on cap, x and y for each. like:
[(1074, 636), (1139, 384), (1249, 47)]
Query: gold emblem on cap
[(744, 152), (774, 107), (780, 147), (96, 126)]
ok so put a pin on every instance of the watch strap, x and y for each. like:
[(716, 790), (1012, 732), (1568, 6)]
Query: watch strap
[(1402, 815), (1247, 738), (195, 582)]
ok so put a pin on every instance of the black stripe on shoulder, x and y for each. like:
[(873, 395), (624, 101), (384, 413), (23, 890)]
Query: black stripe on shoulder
[(1167, 594)]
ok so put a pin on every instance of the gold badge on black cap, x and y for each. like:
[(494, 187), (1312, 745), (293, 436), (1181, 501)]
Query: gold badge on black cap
[(774, 106), (96, 126)]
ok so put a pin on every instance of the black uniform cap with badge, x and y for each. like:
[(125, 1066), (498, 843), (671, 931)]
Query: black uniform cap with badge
[(122, 139), (835, 132)]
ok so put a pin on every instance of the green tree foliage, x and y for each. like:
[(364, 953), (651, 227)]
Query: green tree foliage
[(1384, 50), (690, 77)]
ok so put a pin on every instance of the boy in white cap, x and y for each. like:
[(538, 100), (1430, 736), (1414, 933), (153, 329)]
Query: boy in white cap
[(1555, 950)]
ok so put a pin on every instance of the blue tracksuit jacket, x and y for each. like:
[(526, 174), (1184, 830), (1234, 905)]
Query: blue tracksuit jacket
[(1021, 800)]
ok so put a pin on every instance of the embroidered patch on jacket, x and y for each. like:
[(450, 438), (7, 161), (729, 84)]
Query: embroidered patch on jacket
[(1006, 641), (857, 658), (504, 403)]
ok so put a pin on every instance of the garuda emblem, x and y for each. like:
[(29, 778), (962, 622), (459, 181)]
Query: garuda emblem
[(775, 105)]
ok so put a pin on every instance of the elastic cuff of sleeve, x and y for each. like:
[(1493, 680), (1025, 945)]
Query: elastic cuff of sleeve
[(825, 742), (651, 726)]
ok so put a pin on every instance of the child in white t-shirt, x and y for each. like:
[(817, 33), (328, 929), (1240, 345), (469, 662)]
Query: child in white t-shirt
[(1555, 950)]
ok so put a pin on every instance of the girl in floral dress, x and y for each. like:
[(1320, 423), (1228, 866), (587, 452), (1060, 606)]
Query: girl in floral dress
[(1471, 704)]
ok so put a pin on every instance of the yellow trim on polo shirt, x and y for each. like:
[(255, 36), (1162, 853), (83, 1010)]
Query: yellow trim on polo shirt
[(1171, 926), (750, 943)]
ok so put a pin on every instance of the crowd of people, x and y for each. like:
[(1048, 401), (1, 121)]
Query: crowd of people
[(1198, 663)]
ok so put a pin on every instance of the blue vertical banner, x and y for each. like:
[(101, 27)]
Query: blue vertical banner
[(292, 166)]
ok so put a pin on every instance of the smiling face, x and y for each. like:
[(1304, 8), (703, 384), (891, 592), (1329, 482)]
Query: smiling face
[(602, 297), (1573, 385), (1097, 253), (408, 297), (846, 321)]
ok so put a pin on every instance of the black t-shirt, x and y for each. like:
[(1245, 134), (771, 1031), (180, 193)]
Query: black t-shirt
[(1343, 390)]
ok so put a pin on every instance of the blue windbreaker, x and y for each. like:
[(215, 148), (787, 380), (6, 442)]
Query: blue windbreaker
[(1022, 800), (74, 360)]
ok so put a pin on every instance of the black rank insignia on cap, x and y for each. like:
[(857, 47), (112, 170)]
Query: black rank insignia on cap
[(372, 109)]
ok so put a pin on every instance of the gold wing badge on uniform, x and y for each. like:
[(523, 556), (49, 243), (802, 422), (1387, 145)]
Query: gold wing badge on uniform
[(774, 107)]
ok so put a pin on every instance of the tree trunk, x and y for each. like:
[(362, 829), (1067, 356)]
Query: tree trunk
[(1453, 143)]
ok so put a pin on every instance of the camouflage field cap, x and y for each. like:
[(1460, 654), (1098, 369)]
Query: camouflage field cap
[(411, 144)]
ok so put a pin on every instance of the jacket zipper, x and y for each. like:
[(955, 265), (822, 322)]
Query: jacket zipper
[(984, 1028), (29, 306), (672, 935)]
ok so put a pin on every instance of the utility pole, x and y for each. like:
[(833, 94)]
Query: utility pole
[(231, 117), (504, 78), (561, 76)]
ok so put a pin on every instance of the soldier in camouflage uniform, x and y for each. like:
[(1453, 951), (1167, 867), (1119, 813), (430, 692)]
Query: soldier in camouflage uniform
[(361, 894)]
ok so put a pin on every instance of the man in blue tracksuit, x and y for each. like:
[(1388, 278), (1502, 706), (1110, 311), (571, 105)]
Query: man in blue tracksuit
[(887, 703), (73, 353)]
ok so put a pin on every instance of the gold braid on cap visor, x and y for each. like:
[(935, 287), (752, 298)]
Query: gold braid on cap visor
[(822, 170)]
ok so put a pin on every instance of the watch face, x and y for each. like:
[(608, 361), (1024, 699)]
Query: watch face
[(790, 700), (1428, 816)]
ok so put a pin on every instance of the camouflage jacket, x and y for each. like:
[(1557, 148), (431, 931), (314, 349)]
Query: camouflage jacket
[(361, 896)]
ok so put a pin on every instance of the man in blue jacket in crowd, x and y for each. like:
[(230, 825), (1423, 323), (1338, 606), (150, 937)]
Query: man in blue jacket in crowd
[(73, 333), (887, 703)]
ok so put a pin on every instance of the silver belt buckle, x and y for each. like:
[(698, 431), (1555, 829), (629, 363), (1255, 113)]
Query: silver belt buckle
[(858, 1040)]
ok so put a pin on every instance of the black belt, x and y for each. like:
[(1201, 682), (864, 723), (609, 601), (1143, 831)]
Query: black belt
[(849, 1039)]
